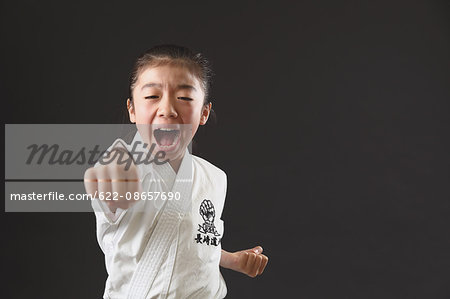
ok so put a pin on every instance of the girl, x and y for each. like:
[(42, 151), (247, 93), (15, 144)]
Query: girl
[(167, 242)]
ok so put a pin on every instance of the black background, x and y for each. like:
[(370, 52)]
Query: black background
[(332, 127)]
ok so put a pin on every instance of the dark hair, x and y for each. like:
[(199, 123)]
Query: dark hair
[(177, 55)]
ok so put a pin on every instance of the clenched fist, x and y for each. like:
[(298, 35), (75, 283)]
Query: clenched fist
[(250, 261), (115, 182)]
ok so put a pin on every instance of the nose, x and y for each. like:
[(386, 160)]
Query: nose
[(166, 108)]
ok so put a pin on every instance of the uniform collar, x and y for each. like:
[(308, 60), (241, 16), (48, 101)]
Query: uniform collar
[(164, 171)]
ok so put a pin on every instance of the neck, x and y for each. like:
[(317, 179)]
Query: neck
[(176, 163)]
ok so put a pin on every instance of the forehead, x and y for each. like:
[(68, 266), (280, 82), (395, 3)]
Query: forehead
[(168, 75)]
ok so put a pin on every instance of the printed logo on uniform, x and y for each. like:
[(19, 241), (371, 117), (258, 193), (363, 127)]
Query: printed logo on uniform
[(208, 228)]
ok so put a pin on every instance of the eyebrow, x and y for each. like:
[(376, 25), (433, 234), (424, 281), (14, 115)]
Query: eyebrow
[(148, 85), (186, 86), (181, 86)]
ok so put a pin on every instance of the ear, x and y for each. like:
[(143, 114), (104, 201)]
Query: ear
[(130, 108), (205, 113)]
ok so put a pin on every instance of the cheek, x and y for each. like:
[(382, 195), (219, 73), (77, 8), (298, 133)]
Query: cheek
[(190, 114), (144, 113)]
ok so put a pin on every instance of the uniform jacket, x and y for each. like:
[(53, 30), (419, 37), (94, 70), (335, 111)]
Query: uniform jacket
[(166, 248)]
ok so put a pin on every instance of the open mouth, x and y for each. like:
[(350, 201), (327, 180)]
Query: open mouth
[(166, 137)]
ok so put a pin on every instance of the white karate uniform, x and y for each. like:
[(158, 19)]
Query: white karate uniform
[(170, 250)]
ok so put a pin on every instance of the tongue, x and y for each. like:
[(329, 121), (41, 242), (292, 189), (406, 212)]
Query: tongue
[(166, 139)]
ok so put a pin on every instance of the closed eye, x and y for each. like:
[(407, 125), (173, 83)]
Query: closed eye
[(185, 98), (151, 97)]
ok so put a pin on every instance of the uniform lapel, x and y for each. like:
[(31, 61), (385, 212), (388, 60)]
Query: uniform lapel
[(164, 239)]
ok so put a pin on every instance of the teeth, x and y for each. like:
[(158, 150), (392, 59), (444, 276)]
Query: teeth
[(166, 129)]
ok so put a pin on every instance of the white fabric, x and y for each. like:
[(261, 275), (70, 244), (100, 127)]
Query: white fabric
[(155, 253)]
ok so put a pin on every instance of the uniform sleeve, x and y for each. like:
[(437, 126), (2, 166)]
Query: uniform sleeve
[(225, 186), (224, 192), (106, 221), (100, 207), (104, 213)]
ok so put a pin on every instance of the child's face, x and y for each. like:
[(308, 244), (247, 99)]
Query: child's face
[(166, 97)]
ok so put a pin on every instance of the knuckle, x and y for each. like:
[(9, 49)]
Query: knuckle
[(101, 171), (117, 171), (89, 173)]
